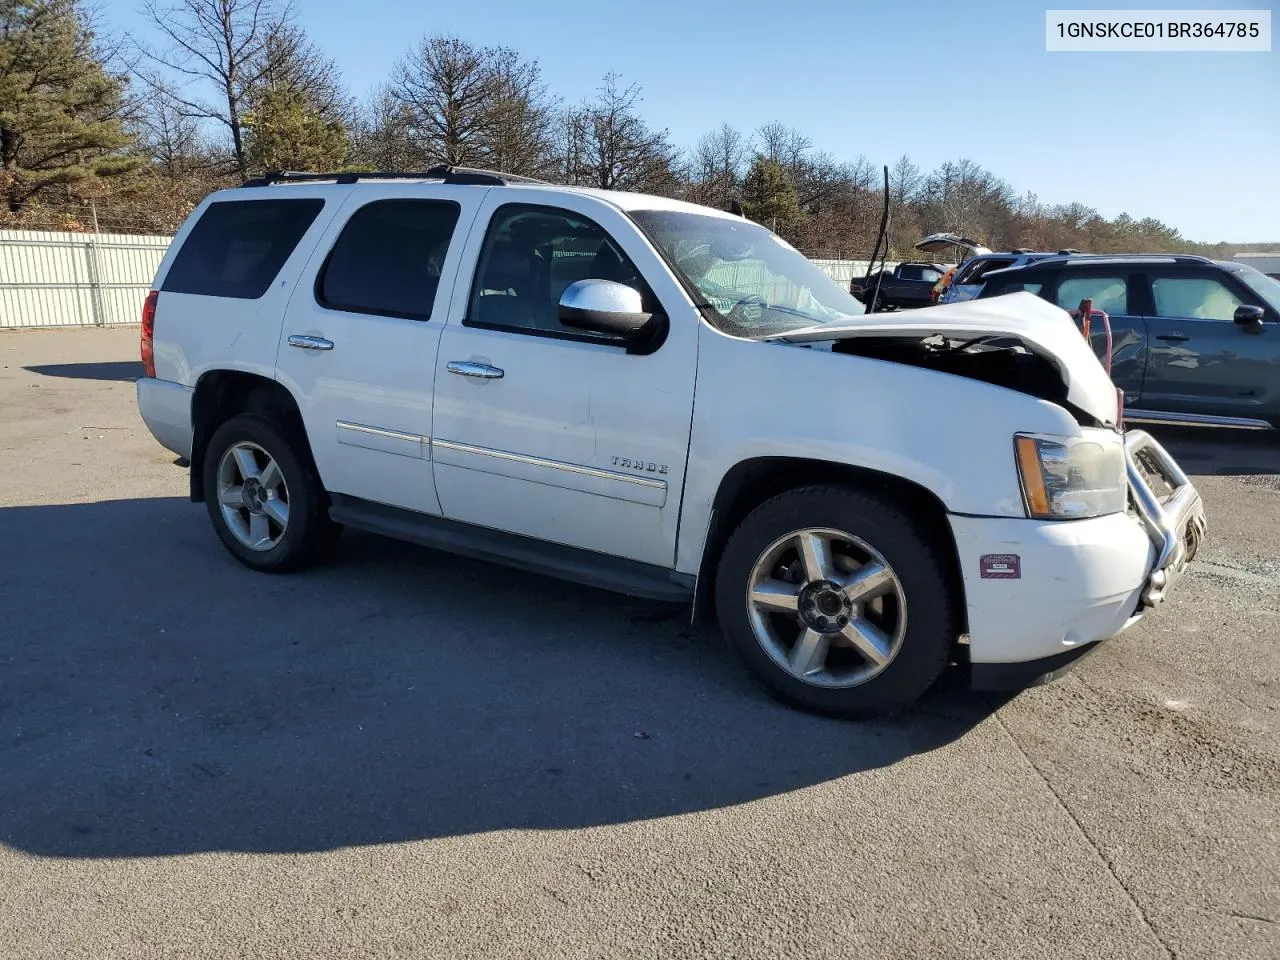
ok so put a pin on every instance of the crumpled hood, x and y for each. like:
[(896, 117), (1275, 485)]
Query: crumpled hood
[(1042, 327)]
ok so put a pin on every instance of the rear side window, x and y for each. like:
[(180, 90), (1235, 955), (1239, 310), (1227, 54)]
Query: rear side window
[(1107, 293), (388, 259), (917, 272), (237, 247), (998, 288)]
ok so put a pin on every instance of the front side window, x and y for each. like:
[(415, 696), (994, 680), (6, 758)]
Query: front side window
[(531, 254), (1265, 285), (237, 247), (748, 281), (388, 259), (1107, 293), (1199, 298)]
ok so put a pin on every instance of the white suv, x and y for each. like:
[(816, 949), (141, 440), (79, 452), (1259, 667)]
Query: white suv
[(664, 400)]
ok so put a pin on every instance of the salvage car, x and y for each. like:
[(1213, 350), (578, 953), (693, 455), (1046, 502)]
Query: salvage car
[(903, 287), (1195, 340), (664, 400)]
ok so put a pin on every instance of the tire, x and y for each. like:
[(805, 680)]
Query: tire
[(307, 535), (898, 631)]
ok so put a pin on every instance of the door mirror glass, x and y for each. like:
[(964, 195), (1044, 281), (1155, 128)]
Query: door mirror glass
[(1249, 318), (604, 306)]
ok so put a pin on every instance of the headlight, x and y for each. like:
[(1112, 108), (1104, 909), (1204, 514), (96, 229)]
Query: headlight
[(1066, 478)]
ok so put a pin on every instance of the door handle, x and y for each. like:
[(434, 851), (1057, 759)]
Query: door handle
[(309, 343), (469, 368), (1172, 337)]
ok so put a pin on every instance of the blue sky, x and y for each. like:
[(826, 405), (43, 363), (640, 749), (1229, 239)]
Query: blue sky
[(1190, 138)]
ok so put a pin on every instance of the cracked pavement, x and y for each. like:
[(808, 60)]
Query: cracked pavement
[(408, 754)]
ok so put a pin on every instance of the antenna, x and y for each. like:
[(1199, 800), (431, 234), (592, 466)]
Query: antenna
[(884, 227)]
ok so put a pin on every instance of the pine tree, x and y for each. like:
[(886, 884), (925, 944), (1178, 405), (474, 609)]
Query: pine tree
[(285, 132), (60, 108), (769, 197)]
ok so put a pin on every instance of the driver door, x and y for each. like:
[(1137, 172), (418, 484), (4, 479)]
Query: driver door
[(548, 431)]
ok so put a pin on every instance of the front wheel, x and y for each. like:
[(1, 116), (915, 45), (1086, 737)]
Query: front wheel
[(265, 499), (837, 601)]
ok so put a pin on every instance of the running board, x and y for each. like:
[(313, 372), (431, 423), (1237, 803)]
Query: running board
[(525, 553), (1197, 419)]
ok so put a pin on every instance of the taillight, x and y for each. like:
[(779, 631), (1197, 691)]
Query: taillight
[(148, 334)]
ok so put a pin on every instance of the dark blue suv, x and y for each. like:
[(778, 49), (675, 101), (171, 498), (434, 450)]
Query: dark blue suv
[(1195, 340)]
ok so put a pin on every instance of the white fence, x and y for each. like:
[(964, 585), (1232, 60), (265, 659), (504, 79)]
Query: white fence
[(88, 279), (75, 279)]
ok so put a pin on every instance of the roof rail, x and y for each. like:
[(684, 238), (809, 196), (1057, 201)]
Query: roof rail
[(1084, 259), (444, 172)]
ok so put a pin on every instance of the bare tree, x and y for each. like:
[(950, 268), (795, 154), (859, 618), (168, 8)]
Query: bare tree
[(520, 137), (785, 146), (290, 63), (445, 87), (223, 48), (383, 138), (904, 181), (608, 145), (720, 161)]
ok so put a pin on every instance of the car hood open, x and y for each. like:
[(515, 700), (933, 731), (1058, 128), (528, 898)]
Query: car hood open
[(939, 242), (1042, 328)]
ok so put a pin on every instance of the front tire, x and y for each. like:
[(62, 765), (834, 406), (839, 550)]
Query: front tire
[(264, 496), (837, 601)]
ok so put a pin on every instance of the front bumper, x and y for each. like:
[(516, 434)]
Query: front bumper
[(1039, 594)]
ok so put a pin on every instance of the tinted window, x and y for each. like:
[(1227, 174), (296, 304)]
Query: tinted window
[(917, 272), (237, 247), (388, 258), (980, 268), (996, 288), (530, 255), (1201, 297), (1107, 293)]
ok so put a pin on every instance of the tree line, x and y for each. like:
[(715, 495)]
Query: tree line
[(138, 130)]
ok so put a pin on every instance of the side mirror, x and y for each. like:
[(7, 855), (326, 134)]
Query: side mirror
[(604, 306), (1249, 318)]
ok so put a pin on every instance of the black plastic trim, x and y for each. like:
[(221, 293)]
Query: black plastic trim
[(525, 553), (1029, 673)]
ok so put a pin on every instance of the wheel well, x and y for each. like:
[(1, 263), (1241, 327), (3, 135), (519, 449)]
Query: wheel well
[(752, 482), (223, 394)]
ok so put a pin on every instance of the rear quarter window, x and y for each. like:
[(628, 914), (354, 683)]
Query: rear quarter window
[(237, 247)]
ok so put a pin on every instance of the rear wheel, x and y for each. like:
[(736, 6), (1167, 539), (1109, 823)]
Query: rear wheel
[(837, 601), (264, 497)]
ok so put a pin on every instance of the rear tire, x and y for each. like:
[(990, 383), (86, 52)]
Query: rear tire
[(837, 601), (264, 496)]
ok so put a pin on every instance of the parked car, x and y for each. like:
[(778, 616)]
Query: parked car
[(904, 287), (970, 275), (664, 400), (1195, 340)]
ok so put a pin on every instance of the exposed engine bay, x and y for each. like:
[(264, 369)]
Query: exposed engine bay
[(998, 360)]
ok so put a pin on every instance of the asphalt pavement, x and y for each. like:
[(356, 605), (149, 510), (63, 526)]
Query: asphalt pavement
[(408, 754)]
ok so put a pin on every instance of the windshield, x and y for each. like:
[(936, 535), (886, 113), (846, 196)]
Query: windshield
[(1265, 287), (750, 282)]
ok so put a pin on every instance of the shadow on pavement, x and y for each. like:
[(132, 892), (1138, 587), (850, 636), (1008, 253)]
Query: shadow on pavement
[(1221, 451), (157, 698), (106, 370)]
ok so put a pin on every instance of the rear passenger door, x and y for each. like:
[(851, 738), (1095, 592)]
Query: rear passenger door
[(1115, 290), (358, 346), (1201, 361)]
